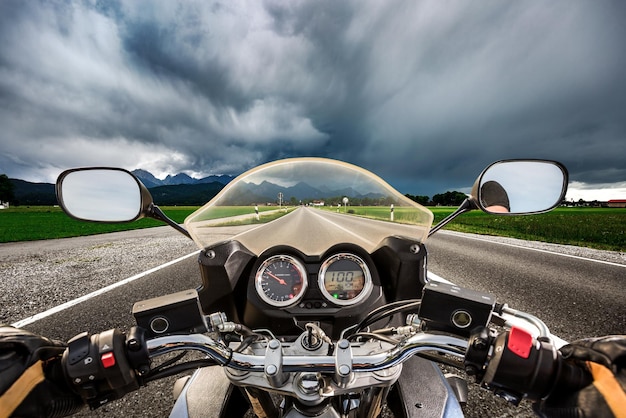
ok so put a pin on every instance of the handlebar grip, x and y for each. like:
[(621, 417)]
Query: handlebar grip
[(520, 366), (571, 377)]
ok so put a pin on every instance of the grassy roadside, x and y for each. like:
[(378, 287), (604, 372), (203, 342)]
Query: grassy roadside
[(600, 228), (48, 222)]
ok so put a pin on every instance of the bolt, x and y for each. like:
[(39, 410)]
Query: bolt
[(274, 344), (479, 344), (309, 383), (271, 370), (343, 344), (133, 345), (344, 370)]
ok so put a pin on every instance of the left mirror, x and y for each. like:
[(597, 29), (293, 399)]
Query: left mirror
[(101, 194)]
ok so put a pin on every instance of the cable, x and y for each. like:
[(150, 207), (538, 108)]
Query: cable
[(374, 336), (388, 310), (178, 368)]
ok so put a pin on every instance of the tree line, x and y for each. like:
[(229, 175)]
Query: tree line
[(452, 198), (6, 189)]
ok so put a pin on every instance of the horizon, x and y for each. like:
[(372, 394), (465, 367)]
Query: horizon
[(575, 191)]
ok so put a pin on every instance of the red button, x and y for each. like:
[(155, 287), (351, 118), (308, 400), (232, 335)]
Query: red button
[(520, 342), (108, 360)]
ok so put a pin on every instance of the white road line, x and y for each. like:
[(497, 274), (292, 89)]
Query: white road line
[(432, 276), (343, 229), (98, 292), (462, 235)]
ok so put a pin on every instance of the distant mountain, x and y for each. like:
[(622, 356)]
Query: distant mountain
[(267, 192), (180, 178), (224, 179), (150, 181), (185, 194), (147, 178)]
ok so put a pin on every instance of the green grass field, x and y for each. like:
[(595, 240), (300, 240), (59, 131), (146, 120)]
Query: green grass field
[(600, 228), (46, 222)]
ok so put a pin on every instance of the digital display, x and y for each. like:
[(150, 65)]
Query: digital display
[(344, 279)]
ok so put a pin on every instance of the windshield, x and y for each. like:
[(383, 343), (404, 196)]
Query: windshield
[(310, 204)]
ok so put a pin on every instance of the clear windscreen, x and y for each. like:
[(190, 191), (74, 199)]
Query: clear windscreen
[(310, 204)]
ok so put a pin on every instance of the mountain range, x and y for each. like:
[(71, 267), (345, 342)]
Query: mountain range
[(150, 181), (182, 189)]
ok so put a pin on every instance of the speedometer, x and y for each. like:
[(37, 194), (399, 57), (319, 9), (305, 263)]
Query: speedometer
[(281, 280), (345, 279)]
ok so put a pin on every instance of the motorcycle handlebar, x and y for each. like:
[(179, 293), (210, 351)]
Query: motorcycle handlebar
[(256, 363), (513, 364)]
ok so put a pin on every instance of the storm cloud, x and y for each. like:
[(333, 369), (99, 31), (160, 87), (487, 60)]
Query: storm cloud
[(424, 93)]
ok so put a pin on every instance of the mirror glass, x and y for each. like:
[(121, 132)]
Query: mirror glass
[(518, 187), (102, 195)]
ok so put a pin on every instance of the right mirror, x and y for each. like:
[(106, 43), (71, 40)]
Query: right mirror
[(521, 187)]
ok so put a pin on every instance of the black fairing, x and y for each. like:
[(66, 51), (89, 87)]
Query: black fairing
[(402, 265), (398, 269), (221, 267)]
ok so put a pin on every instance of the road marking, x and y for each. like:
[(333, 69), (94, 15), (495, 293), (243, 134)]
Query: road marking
[(462, 235), (343, 229), (435, 277), (98, 292)]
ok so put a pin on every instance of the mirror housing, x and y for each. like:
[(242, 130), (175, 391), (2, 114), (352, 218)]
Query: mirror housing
[(520, 187), (514, 187), (101, 194)]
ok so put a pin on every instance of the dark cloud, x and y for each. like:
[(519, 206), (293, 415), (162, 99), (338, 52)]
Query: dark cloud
[(414, 91)]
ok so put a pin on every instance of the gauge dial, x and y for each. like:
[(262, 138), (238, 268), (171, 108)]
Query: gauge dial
[(345, 279), (281, 280)]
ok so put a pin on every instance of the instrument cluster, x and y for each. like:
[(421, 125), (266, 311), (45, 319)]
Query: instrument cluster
[(342, 279)]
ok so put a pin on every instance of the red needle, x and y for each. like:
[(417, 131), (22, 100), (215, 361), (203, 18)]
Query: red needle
[(278, 279)]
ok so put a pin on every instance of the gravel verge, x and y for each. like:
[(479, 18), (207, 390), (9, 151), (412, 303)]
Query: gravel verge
[(36, 276), (616, 257)]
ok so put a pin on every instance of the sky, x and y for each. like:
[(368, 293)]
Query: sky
[(423, 93)]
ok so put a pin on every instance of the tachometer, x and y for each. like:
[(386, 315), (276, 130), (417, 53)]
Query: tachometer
[(281, 280), (345, 279)]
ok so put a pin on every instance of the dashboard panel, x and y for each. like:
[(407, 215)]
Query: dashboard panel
[(332, 289), (287, 279)]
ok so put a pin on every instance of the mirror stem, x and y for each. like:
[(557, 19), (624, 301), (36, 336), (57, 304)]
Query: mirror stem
[(467, 205), (155, 212)]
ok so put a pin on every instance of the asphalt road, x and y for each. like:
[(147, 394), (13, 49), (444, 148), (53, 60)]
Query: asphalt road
[(575, 297)]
